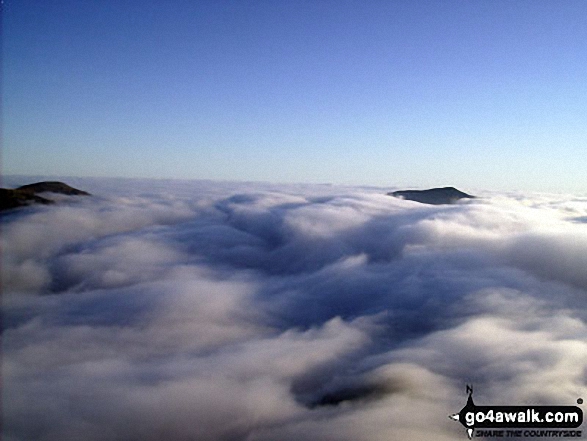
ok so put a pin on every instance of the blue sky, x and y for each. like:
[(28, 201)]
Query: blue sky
[(477, 94)]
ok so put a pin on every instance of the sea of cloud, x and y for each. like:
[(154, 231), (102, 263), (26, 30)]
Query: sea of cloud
[(193, 310)]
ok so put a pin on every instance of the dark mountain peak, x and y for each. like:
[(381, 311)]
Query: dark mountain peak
[(52, 187), (28, 194), (17, 198), (434, 196)]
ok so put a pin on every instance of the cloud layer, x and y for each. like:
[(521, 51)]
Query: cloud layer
[(215, 311)]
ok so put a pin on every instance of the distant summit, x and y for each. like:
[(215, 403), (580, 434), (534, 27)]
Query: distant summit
[(434, 196), (52, 187), (10, 199), (29, 194)]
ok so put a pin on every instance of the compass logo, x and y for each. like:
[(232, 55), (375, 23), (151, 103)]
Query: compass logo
[(512, 420)]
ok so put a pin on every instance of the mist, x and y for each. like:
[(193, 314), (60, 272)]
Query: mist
[(185, 310)]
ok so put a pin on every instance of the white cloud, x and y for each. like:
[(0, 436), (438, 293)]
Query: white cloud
[(219, 311)]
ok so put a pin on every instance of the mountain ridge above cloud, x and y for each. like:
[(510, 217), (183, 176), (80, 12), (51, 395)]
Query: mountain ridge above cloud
[(29, 194), (433, 196)]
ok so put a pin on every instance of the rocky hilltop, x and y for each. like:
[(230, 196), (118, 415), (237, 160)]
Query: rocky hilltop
[(29, 194), (52, 187), (434, 196)]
